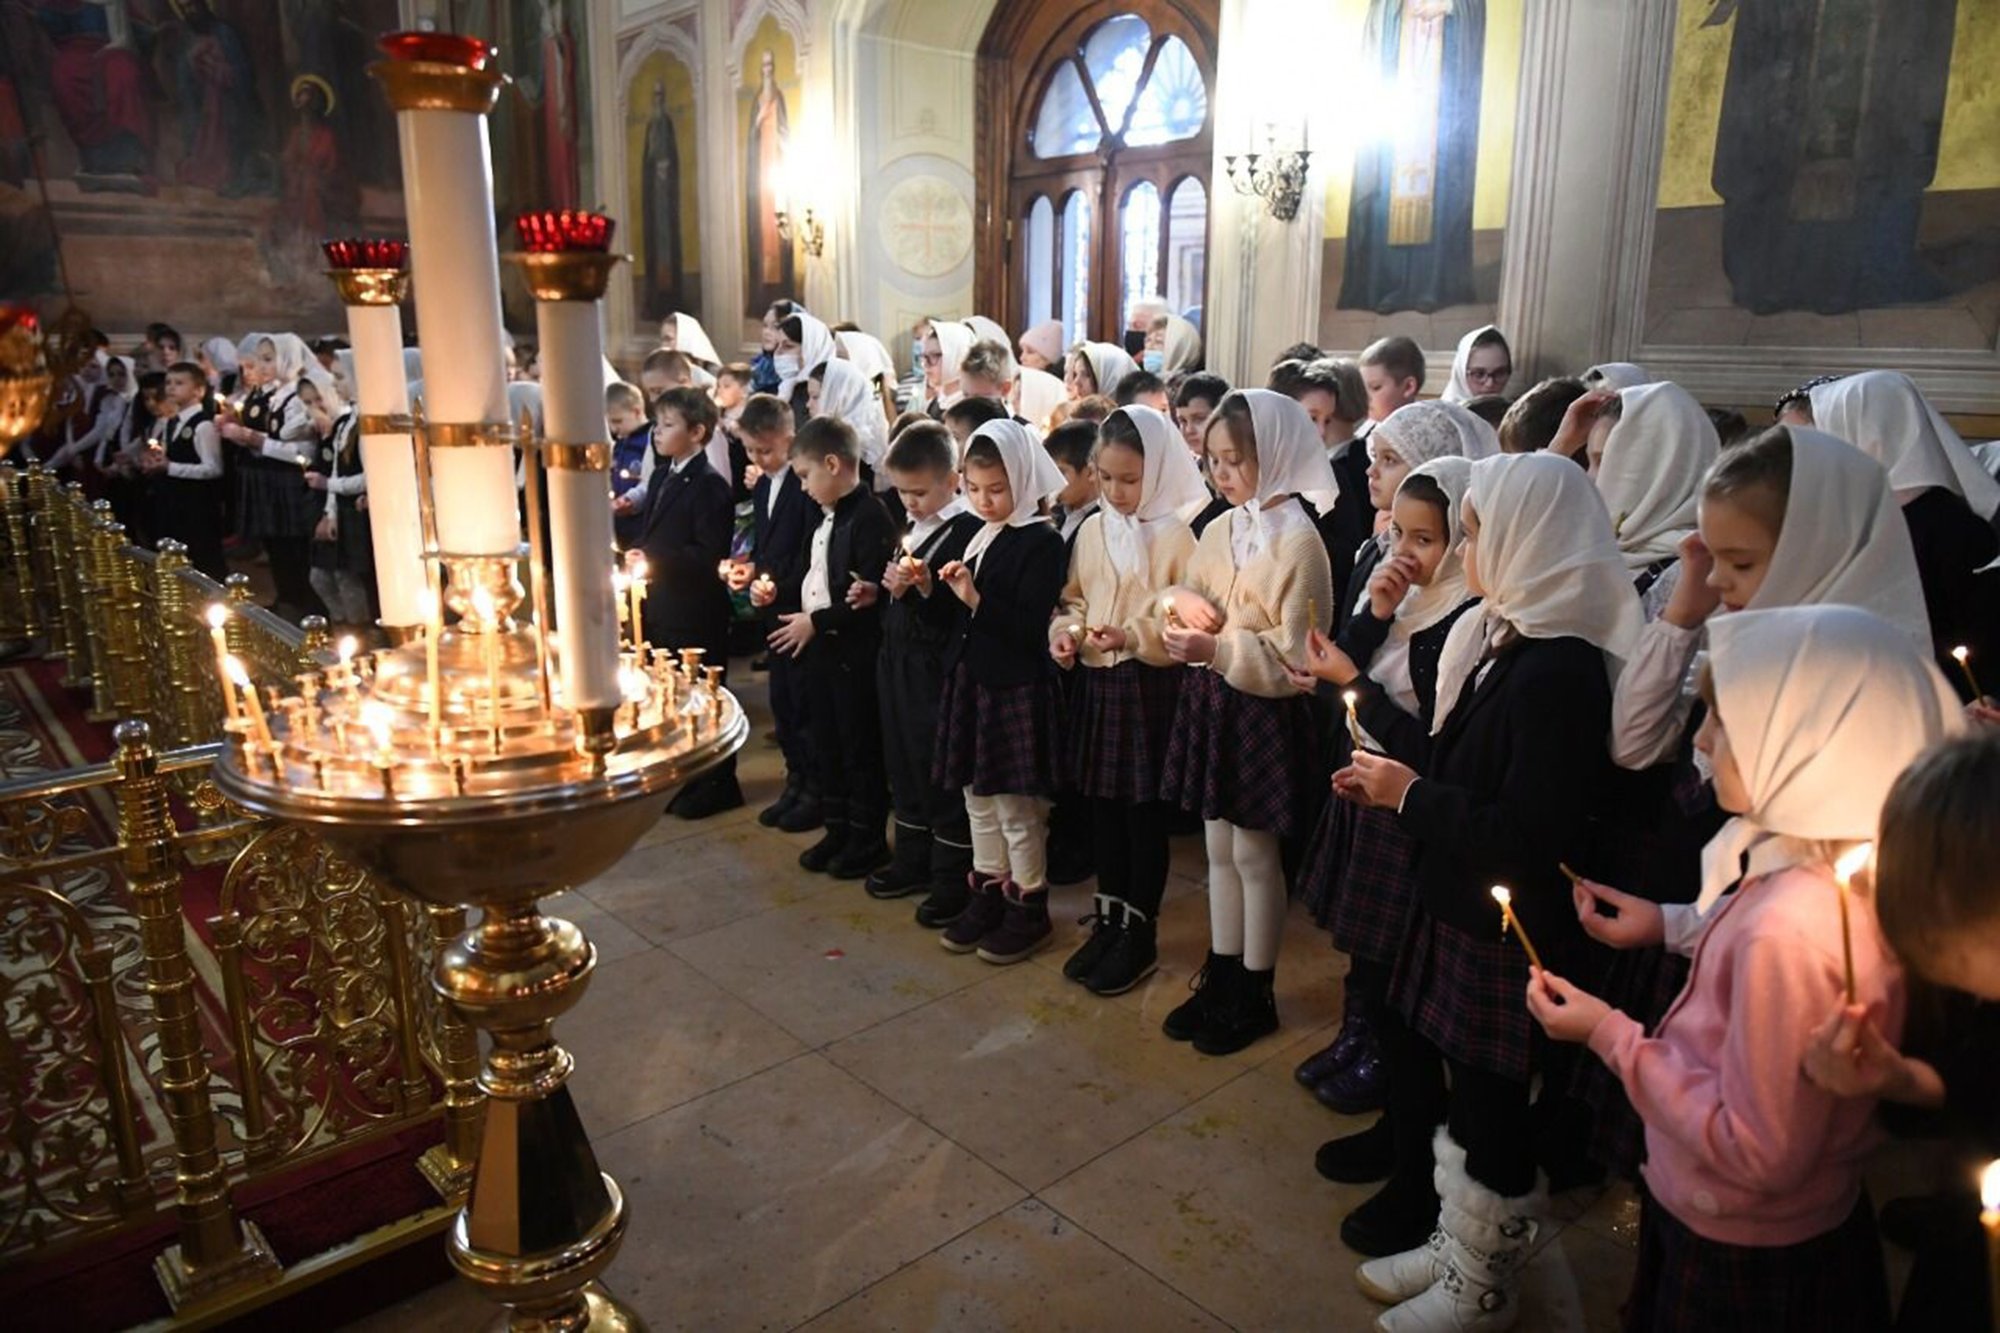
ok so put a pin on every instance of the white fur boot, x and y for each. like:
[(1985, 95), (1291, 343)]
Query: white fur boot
[(1473, 1260)]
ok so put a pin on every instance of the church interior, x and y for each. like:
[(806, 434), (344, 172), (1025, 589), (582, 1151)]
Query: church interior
[(1000, 664)]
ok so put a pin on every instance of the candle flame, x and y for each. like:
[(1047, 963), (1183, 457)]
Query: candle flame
[(482, 605), (349, 645), (1989, 1187), (637, 567), (634, 684), (1960, 654), (619, 582), (218, 615), (1853, 863), (1350, 698), (379, 719), (1502, 896), (234, 669)]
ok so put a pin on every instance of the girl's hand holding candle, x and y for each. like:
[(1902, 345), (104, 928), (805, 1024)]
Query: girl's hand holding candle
[(1064, 643), (958, 577), (1566, 1012), (1192, 646), (1191, 609), (763, 591), (862, 594), (1372, 780), (1633, 923), (1109, 638)]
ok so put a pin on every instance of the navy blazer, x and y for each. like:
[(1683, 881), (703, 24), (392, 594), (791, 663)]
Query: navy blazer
[(781, 539), (689, 521)]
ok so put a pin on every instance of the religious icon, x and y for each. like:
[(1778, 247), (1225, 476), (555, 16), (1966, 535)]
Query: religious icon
[(660, 209), (767, 141)]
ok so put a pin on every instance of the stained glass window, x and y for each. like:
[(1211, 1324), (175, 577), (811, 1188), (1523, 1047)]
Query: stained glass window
[(1165, 104)]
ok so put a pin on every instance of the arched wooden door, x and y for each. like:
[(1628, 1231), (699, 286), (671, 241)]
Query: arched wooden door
[(1096, 130)]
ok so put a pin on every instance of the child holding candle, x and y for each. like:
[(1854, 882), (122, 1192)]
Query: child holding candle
[(1501, 791), (783, 517), (1123, 558), (933, 841), (996, 737), (1243, 754), (1752, 1212), (275, 432), (346, 583), (631, 460), (1361, 869), (835, 634), (186, 472), (688, 521)]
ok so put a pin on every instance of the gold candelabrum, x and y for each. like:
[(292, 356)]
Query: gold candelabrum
[(516, 744)]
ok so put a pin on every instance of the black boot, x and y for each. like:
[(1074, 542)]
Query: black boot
[(910, 868), (1359, 1159), (951, 866), (1397, 1217), (795, 788), (1024, 926), (1355, 1038), (807, 813), (1215, 979), (818, 857), (984, 908), (709, 795), (1104, 921), (1131, 956), (1247, 1012), (866, 849)]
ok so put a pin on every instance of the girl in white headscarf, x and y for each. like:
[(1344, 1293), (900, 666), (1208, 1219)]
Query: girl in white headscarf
[(1095, 369), (1482, 365), (344, 575), (1414, 434), (219, 363), (804, 345), (844, 392), (1659, 450), (275, 430), (1814, 711), (986, 330), (1126, 554), (1511, 776), (106, 410), (872, 359), (1173, 346), (684, 334), (1949, 502), (1615, 375), (996, 732), (1243, 754), (945, 347), (1358, 875)]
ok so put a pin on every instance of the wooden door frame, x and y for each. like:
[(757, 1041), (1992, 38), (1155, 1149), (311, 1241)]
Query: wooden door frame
[(1014, 50)]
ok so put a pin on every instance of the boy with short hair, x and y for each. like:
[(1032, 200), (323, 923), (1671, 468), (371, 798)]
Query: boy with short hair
[(836, 634), (988, 371), (1392, 369), (631, 460), (688, 520), (969, 414), (1144, 388), (933, 840), (1338, 398), (783, 518), (1071, 445), (186, 471)]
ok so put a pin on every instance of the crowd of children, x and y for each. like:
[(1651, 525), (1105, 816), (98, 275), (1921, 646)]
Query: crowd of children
[(1592, 662)]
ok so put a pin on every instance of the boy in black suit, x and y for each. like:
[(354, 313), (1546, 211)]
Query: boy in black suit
[(836, 634), (688, 521), (784, 518)]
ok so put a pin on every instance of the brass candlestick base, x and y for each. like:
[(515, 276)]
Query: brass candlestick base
[(551, 802)]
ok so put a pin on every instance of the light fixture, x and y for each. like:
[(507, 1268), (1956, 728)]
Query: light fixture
[(1277, 177)]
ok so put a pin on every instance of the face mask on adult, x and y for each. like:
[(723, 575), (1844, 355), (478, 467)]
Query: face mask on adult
[(1154, 360), (787, 365)]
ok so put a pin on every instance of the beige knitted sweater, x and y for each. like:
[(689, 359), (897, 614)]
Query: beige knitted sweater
[(1266, 606), (1096, 594)]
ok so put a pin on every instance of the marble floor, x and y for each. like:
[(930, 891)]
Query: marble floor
[(823, 1120)]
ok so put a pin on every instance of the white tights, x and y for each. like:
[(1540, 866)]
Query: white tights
[(1010, 837), (1246, 893)]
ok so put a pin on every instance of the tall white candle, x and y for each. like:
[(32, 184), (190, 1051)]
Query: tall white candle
[(454, 262), (586, 607), (376, 331), (572, 356)]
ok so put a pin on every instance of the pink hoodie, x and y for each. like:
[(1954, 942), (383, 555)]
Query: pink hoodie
[(1740, 1145)]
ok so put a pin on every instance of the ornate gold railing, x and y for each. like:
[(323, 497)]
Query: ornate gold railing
[(150, 1062)]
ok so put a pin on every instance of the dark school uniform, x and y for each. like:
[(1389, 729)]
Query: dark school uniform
[(781, 527), (187, 509), (839, 664), (686, 535), (1070, 833), (918, 633), (1951, 545), (1351, 520), (628, 472)]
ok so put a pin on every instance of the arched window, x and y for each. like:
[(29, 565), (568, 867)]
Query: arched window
[(1093, 162)]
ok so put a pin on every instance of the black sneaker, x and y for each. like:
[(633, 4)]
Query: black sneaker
[(1103, 923), (909, 870), (1209, 985), (821, 854), (984, 907), (1024, 927), (1131, 958), (778, 809), (1247, 1012)]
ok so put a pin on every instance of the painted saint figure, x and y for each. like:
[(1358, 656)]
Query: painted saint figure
[(1831, 116), (560, 146), (1409, 224), (98, 87), (770, 253), (660, 210)]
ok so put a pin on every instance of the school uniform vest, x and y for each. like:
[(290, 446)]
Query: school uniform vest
[(187, 509), (925, 627)]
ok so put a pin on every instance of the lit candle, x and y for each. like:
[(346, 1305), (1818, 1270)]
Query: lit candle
[(433, 631), (1505, 898), (635, 565), (377, 717), (724, 568), (1844, 871), (911, 565), (619, 582), (218, 616), (1351, 699), (455, 276), (1963, 656), (349, 680), (258, 726), (1989, 1217), (763, 586), (1170, 612), (489, 618)]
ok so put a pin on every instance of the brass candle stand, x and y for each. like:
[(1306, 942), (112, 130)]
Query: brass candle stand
[(492, 793)]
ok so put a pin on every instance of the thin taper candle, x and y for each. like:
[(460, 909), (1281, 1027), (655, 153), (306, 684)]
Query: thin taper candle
[(218, 616), (1989, 1217), (1505, 898), (1844, 871), (258, 726), (1963, 656)]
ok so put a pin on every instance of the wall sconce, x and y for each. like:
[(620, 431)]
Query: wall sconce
[(812, 232), (1278, 178)]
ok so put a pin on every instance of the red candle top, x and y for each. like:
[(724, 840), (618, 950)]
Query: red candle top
[(449, 48), (17, 317), (366, 252), (565, 231)]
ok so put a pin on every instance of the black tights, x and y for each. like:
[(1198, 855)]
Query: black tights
[(1131, 844), (1487, 1115)]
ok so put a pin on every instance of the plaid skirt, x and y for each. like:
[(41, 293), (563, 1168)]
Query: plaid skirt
[(1376, 888), (1685, 1283), (998, 741), (1242, 758), (1327, 848), (1119, 731), (276, 502), (1467, 995), (1642, 983)]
